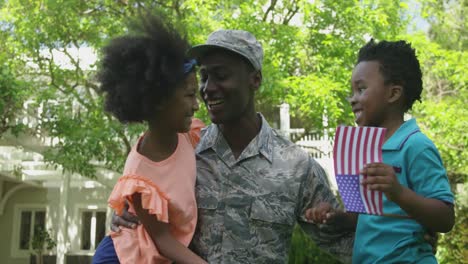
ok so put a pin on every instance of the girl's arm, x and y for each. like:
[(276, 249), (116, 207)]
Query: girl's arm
[(434, 214), (162, 238)]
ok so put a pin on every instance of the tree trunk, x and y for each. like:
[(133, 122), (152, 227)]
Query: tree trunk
[(39, 258)]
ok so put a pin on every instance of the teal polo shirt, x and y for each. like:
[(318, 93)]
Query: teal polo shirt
[(418, 166)]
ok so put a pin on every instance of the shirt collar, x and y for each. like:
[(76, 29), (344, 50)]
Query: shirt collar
[(399, 138), (212, 138)]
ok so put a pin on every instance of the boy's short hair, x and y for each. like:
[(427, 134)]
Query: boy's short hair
[(141, 69), (398, 65)]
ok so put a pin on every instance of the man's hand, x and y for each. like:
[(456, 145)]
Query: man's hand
[(321, 214), (432, 238), (324, 213), (383, 179), (127, 220)]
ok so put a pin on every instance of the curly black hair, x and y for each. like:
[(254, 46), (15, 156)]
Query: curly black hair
[(398, 65), (141, 69)]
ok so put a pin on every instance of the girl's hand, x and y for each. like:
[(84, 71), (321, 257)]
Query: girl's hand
[(383, 179), (322, 214), (160, 233)]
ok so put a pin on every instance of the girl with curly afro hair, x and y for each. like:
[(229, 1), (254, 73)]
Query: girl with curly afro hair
[(146, 77)]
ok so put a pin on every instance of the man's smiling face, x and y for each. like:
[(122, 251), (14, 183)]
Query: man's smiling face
[(226, 86)]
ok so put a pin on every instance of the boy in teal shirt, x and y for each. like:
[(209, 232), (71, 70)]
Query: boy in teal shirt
[(386, 81)]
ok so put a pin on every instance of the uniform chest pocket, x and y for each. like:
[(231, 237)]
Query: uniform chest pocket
[(273, 210), (207, 202), (206, 188), (206, 198)]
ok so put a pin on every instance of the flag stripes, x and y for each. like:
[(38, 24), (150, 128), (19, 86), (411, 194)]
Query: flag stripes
[(354, 147)]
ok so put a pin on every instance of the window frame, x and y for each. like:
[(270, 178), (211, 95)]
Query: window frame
[(15, 251), (79, 210)]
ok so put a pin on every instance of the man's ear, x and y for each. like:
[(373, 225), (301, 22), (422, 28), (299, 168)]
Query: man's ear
[(396, 92), (256, 79)]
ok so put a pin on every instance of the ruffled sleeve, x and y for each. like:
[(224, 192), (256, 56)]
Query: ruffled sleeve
[(195, 129), (152, 198)]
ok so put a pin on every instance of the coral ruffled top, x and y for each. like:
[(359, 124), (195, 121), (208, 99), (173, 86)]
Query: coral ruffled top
[(167, 190)]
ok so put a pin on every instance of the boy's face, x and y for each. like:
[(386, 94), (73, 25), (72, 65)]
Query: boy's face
[(369, 95)]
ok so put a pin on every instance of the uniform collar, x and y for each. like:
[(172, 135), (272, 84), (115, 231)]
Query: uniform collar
[(212, 138), (399, 138)]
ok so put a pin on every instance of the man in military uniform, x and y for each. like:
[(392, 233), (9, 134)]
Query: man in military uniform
[(253, 185)]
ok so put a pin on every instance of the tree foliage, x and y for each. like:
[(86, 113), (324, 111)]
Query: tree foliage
[(13, 91), (449, 22), (453, 247), (41, 242), (12, 95), (310, 49), (444, 113), (303, 250), (444, 118), (48, 35)]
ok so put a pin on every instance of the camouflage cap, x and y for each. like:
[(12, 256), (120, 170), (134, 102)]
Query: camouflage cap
[(237, 41)]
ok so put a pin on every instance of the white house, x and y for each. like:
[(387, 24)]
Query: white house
[(34, 194)]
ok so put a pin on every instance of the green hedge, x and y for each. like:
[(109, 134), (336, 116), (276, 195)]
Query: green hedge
[(303, 250), (453, 246)]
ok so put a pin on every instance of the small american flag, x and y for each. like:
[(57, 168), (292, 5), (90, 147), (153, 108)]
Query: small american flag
[(354, 147)]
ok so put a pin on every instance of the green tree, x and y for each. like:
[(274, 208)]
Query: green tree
[(12, 95), (41, 242), (449, 23), (444, 117), (309, 51), (453, 247), (47, 33), (443, 112)]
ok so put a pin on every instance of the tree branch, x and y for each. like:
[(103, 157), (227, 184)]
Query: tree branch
[(71, 91), (457, 148), (176, 7), (80, 74), (121, 134), (443, 93), (270, 9), (291, 13)]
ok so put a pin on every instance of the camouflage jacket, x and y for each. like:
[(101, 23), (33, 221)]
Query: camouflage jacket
[(247, 208)]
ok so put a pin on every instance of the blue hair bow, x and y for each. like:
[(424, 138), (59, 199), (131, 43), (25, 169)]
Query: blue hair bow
[(189, 65)]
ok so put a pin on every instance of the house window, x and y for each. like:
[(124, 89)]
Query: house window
[(30, 220), (93, 229)]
